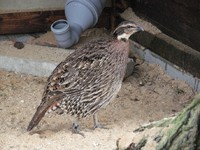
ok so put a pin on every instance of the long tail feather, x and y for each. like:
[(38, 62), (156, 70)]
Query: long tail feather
[(53, 98), (41, 110)]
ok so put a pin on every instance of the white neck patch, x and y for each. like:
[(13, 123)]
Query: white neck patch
[(123, 36)]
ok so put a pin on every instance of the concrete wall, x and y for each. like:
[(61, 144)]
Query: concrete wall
[(30, 5)]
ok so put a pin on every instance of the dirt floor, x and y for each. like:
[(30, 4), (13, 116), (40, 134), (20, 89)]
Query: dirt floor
[(146, 96)]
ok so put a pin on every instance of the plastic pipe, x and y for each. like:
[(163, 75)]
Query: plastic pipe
[(81, 15)]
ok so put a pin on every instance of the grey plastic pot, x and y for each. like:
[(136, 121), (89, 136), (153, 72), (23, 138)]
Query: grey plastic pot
[(81, 15)]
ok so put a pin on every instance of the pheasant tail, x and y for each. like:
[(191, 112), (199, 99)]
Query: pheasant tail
[(49, 100), (39, 114)]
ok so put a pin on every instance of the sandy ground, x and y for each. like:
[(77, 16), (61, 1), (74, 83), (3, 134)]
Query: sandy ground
[(145, 96)]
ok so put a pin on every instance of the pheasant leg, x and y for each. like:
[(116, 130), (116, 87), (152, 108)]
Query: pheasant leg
[(96, 122), (76, 129)]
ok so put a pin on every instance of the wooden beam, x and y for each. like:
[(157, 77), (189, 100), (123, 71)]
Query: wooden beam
[(28, 22), (175, 52), (177, 18), (39, 21)]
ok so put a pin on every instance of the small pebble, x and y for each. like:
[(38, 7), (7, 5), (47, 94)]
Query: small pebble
[(19, 45), (151, 120), (174, 110), (141, 83), (136, 99)]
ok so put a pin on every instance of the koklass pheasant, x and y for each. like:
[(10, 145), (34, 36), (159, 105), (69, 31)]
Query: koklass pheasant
[(89, 78)]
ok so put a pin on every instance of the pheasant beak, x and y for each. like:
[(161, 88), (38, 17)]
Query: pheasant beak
[(139, 29)]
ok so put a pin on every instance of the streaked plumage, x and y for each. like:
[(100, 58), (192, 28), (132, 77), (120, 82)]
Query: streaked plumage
[(89, 78)]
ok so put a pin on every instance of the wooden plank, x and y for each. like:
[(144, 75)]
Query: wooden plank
[(39, 21), (177, 18), (175, 52), (105, 18), (28, 22)]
